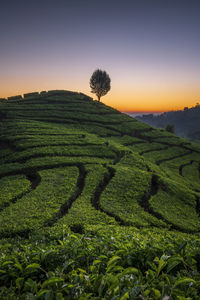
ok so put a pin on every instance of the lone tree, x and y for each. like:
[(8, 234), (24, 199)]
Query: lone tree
[(100, 83)]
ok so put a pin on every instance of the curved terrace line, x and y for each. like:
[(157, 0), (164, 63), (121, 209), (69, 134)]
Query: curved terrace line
[(119, 156), (183, 166), (26, 170), (19, 149), (134, 143), (79, 120), (197, 205), (28, 136), (86, 122), (34, 179), (152, 150), (64, 110), (62, 117), (153, 190), (67, 205), (158, 162), (199, 170), (41, 155), (95, 200), (182, 145), (80, 184), (135, 133), (197, 197)]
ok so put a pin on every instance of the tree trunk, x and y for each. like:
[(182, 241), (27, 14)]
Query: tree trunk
[(99, 98)]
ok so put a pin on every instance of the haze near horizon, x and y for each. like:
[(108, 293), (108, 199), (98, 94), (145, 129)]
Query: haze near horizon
[(150, 50)]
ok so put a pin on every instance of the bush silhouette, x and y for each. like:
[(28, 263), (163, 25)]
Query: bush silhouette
[(170, 128)]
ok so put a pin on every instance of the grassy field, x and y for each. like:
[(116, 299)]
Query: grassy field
[(94, 204)]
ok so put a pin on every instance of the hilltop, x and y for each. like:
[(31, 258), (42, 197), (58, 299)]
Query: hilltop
[(186, 122), (121, 197)]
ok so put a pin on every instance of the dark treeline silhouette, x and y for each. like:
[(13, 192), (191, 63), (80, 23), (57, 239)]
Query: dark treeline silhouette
[(186, 122)]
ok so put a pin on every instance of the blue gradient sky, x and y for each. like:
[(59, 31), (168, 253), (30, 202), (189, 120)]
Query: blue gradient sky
[(151, 49)]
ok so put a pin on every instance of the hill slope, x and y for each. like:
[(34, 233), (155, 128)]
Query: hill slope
[(186, 122), (69, 163)]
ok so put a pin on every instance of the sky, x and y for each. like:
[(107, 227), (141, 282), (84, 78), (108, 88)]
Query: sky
[(149, 48)]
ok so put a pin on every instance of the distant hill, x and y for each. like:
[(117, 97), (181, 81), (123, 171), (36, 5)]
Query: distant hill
[(186, 122), (94, 204)]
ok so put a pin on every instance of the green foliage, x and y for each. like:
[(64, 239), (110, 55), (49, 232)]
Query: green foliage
[(83, 210), (100, 83), (176, 207), (41, 205), (164, 154), (170, 128), (11, 188), (99, 267), (122, 198), (191, 171), (94, 204)]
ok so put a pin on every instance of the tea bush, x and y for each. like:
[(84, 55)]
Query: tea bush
[(94, 204)]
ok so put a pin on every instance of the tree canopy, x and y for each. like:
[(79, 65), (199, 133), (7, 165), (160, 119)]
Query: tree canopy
[(100, 83)]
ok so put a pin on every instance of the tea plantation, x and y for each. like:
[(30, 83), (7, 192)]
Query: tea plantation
[(95, 204)]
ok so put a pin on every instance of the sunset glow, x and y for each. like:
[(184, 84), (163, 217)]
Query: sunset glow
[(149, 50)]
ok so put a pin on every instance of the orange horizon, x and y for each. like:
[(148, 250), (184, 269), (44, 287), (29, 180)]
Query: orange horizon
[(130, 101), (144, 111)]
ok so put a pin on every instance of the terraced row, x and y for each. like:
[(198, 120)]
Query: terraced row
[(122, 212), (121, 208), (81, 172)]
